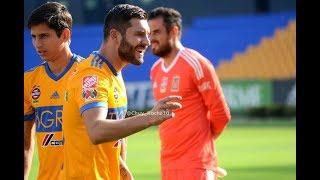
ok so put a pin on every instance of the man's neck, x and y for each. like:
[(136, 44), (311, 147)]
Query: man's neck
[(60, 62), (112, 56), (171, 56)]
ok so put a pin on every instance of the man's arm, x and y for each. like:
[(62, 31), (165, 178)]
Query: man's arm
[(123, 151), (124, 171), (28, 146), (102, 130), (209, 87)]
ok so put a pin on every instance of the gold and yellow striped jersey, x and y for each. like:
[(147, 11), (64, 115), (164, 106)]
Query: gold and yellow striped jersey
[(43, 100), (95, 84)]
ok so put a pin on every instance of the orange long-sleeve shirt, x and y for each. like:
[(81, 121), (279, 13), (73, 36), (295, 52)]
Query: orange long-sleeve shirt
[(187, 139)]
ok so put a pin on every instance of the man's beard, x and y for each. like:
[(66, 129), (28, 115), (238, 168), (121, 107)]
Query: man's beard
[(163, 50), (127, 52)]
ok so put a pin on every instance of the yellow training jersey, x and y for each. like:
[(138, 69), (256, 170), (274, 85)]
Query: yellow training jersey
[(95, 84), (43, 100)]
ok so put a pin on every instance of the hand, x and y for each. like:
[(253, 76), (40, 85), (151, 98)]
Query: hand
[(163, 109), (221, 172), (125, 173)]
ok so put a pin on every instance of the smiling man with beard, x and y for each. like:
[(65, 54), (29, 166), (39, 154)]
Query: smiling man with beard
[(96, 103), (188, 139)]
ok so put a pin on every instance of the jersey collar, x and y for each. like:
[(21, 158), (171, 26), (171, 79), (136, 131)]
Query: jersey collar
[(167, 69), (105, 59), (59, 76)]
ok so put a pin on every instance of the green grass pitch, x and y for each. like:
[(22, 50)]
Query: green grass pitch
[(247, 149)]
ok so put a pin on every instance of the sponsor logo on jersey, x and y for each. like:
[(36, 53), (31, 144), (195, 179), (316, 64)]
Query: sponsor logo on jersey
[(49, 140), (89, 84), (117, 113), (175, 84), (48, 119), (163, 84), (89, 94), (35, 93), (204, 86), (55, 95)]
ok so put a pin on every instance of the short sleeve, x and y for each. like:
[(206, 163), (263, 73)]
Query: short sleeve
[(91, 91)]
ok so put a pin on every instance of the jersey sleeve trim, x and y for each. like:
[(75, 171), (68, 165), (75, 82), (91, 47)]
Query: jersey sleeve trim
[(92, 105), (194, 63)]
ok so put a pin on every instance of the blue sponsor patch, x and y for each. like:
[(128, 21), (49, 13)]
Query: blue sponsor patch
[(48, 118), (117, 113)]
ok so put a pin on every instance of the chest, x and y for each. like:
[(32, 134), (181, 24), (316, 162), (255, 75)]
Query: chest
[(175, 82), (44, 92), (117, 100), (117, 93)]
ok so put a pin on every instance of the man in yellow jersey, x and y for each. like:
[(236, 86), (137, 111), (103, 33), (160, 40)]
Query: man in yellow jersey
[(96, 103), (44, 87)]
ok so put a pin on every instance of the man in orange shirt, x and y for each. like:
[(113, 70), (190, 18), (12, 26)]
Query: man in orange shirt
[(187, 140)]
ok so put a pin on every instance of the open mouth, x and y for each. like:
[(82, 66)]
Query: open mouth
[(140, 50), (41, 52)]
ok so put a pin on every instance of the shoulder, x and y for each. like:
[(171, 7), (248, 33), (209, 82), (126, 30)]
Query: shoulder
[(194, 60), (35, 71), (85, 72), (35, 68), (194, 55), (78, 58)]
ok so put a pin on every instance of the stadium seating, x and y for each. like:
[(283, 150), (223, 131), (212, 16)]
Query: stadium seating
[(272, 58), (232, 43)]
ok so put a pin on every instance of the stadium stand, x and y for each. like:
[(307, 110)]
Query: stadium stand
[(272, 58), (224, 40)]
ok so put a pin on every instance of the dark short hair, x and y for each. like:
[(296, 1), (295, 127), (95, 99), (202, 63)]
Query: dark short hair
[(55, 15), (171, 17), (119, 16)]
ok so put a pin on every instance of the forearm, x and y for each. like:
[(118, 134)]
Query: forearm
[(124, 171), (219, 121), (109, 130), (102, 130), (28, 155), (123, 152), (28, 147)]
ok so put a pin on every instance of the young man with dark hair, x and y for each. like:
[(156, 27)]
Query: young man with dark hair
[(187, 140), (95, 102), (44, 87)]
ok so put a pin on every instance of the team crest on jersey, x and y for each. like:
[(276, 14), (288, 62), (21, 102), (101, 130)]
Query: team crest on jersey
[(89, 94), (115, 93), (163, 84), (89, 84), (35, 93), (66, 96), (154, 85), (175, 84), (49, 140)]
